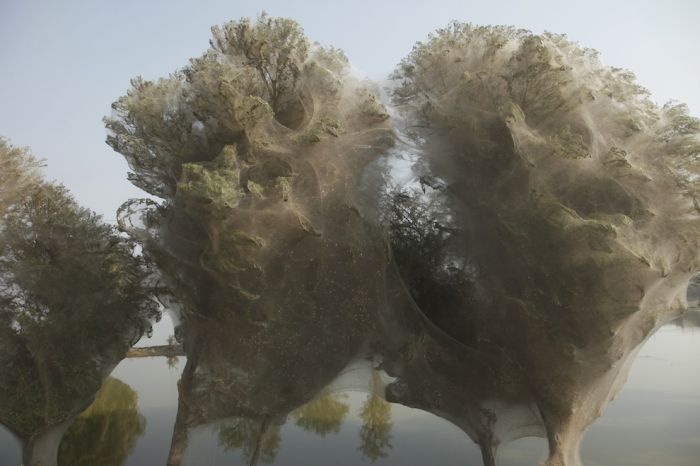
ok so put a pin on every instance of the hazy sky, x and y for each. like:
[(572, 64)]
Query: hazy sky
[(64, 62)]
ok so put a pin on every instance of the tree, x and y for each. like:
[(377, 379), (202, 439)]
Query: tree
[(73, 298), (256, 152), (571, 193)]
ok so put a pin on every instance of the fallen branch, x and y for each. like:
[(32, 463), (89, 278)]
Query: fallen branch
[(152, 351)]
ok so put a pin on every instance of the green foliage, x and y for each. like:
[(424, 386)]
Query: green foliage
[(423, 239), (19, 172), (62, 263), (617, 158), (369, 106), (375, 433), (212, 184), (483, 70), (539, 78), (325, 126), (275, 47), (106, 432), (679, 138), (325, 72), (331, 58), (73, 298), (565, 143), (323, 415), (224, 143)]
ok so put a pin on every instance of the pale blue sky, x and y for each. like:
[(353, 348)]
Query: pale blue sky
[(64, 62)]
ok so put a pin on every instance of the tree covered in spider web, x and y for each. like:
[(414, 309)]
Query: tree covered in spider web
[(73, 298), (255, 152), (574, 195)]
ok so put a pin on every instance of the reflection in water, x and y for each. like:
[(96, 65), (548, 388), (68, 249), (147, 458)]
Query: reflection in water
[(323, 415), (259, 440), (172, 362), (689, 320), (106, 432), (375, 434)]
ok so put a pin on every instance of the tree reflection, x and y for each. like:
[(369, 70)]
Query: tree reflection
[(375, 433), (106, 432), (323, 415), (259, 440), (172, 360)]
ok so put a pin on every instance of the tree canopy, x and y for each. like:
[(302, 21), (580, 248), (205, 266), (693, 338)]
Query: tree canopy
[(254, 149), (19, 173)]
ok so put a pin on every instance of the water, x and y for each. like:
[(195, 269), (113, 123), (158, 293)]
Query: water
[(654, 420)]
